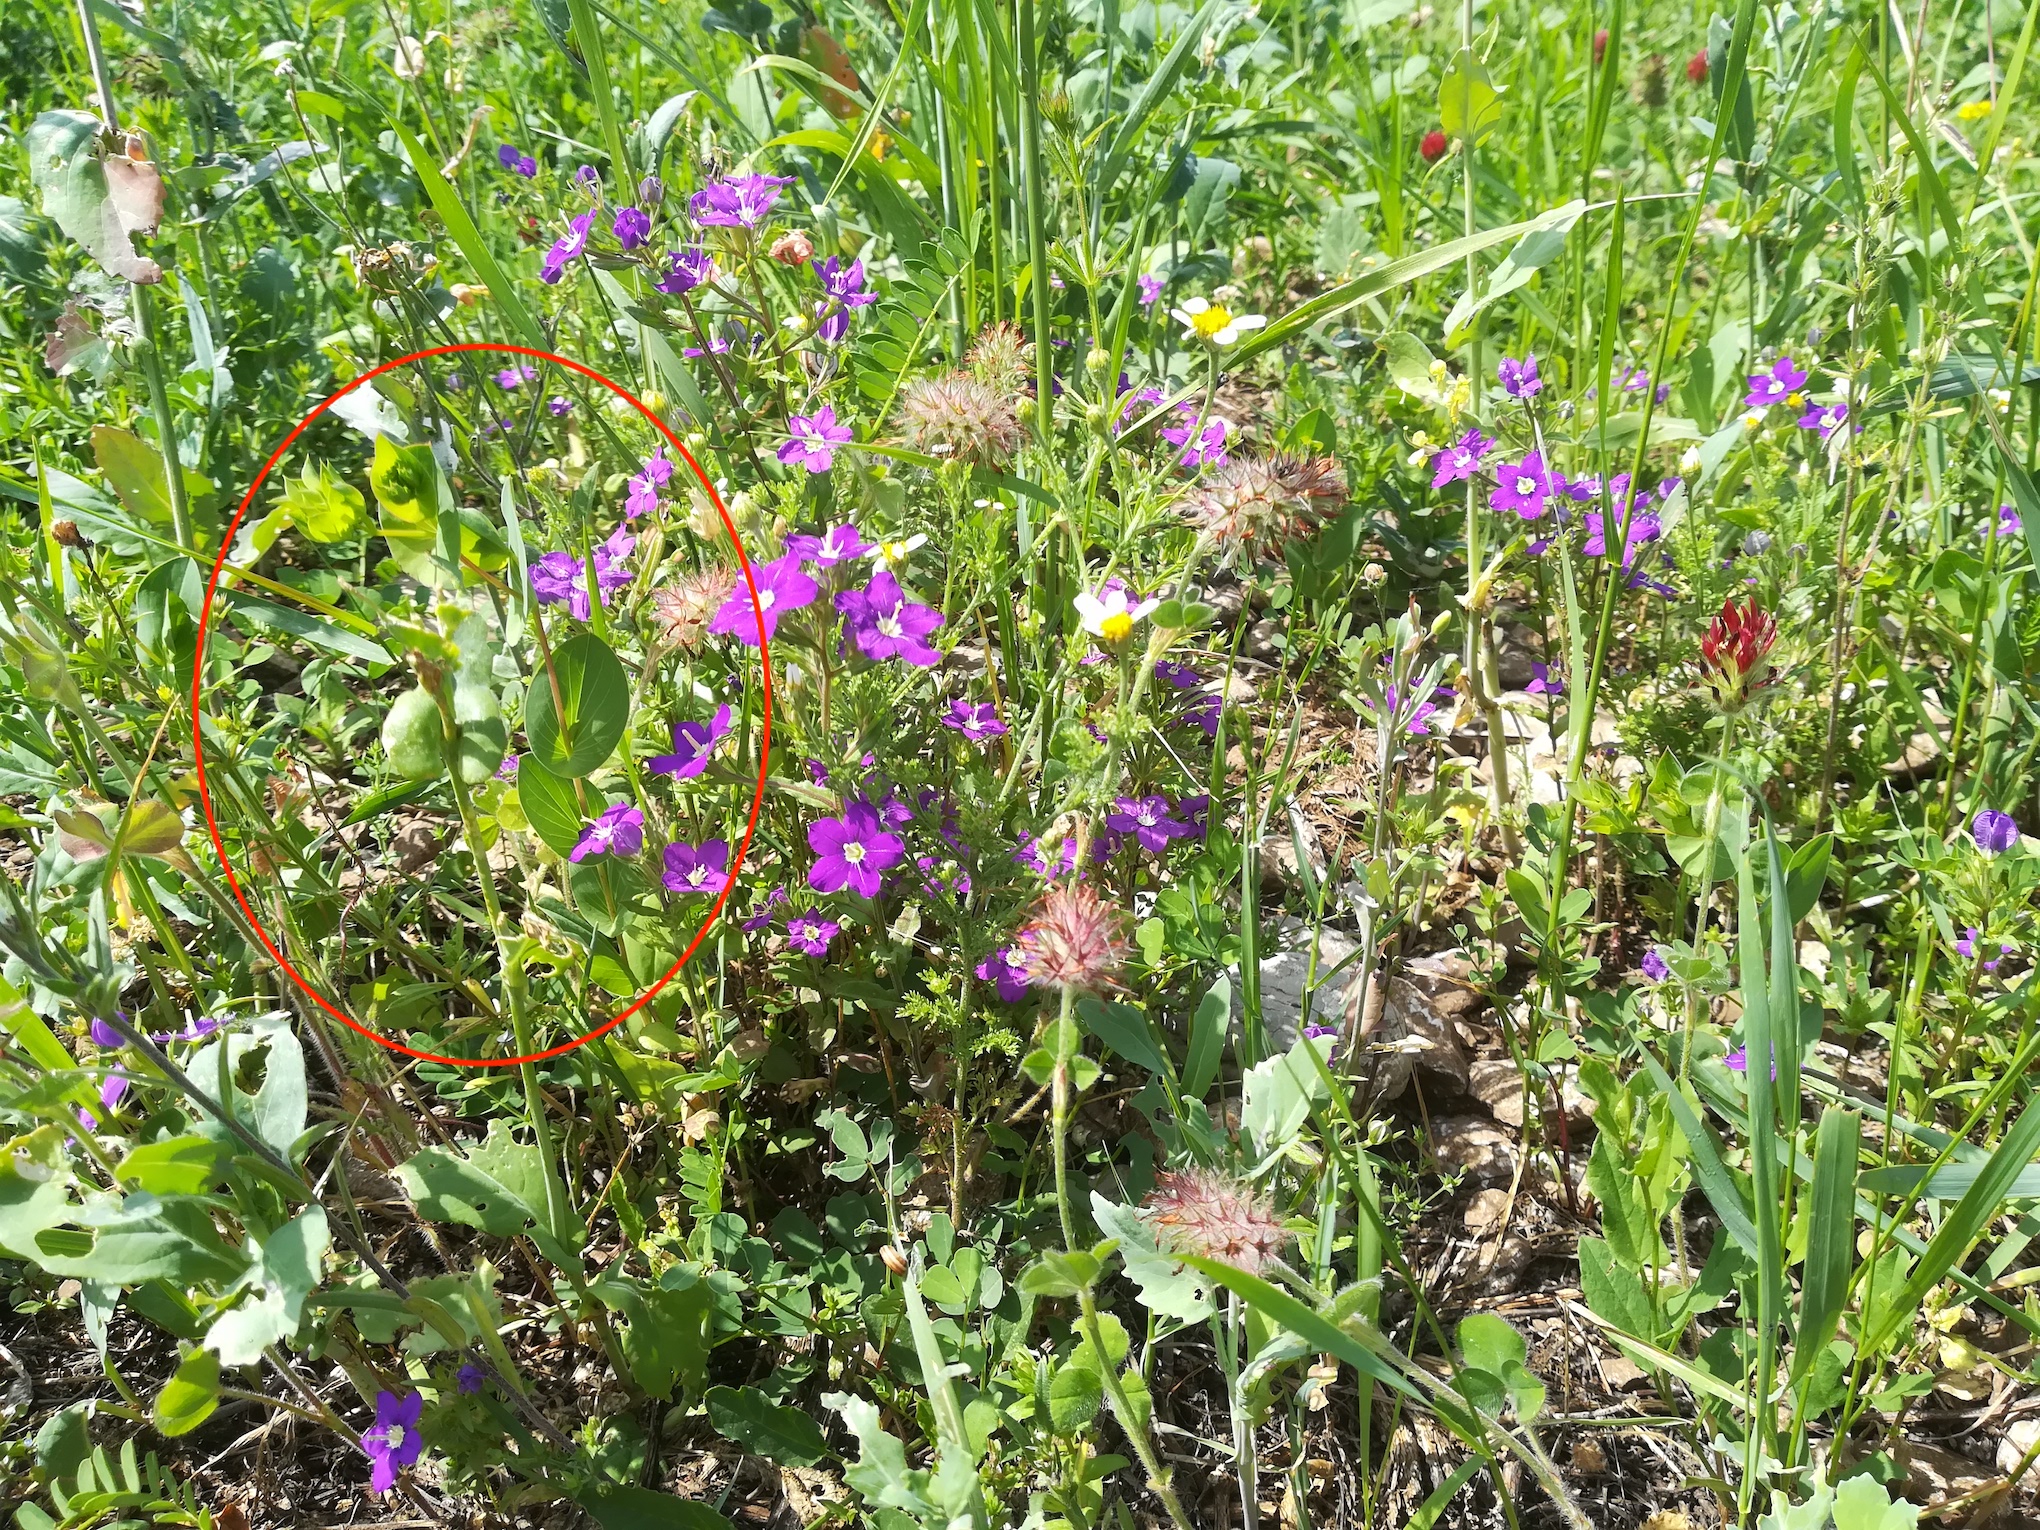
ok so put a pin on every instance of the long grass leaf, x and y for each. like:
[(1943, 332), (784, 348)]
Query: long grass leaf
[(1715, 1181), (446, 202), (1830, 1243)]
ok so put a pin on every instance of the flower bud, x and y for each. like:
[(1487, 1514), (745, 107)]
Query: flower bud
[(793, 249), (894, 1259), (67, 533)]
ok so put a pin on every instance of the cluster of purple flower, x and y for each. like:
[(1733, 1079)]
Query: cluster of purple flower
[(1200, 707), (1784, 382), (879, 619), (516, 161), (560, 578), (619, 830)]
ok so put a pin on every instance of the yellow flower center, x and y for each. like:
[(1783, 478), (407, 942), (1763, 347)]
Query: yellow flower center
[(1796, 400), (1211, 321), (1117, 627)]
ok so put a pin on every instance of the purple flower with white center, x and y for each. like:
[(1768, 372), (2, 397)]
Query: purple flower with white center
[(975, 720), (469, 1379), (1519, 379), (686, 269), (1150, 290), (1825, 418), (1149, 820), (1775, 385), (1643, 527), (839, 544), (1461, 460), (844, 290), (589, 179), (693, 744), (1584, 488), (643, 495), (394, 1442), (632, 226), (782, 587), (2008, 522), (556, 579), (1181, 676), (1208, 450), (1654, 965), (567, 249), (743, 201), (811, 935), (886, 625), (700, 868), (1994, 832), (618, 830), (1522, 487), (559, 405), (815, 439), (1204, 710), (854, 851), (1542, 681), (1006, 970)]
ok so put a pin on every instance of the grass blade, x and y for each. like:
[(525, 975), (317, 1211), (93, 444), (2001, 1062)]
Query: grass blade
[(446, 202), (1831, 1244)]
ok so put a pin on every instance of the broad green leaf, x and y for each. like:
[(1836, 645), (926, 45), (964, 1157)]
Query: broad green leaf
[(1207, 1038), (173, 1166), (551, 807), (98, 197), (765, 1428), (1074, 1397), (1469, 106), (134, 470), (1124, 1029), (325, 508), (1280, 1094), (1831, 1242), (635, 1508), (415, 503), (576, 712), (286, 1269), (190, 1395)]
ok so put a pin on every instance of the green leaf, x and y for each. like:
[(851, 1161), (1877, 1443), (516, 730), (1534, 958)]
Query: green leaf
[(783, 1435), (134, 470), (1614, 1291), (1059, 1274), (190, 1395), (286, 1269), (1431, 1508), (173, 1166), (634, 1508), (1125, 1030), (1469, 106), (499, 1187), (1074, 1397), (324, 508), (1863, 1503), (415, 499), (1280, 1093), (99, 198), (1207, 1038), (1490, 1344), (1831, 1239), (551, 807), (575, 733)]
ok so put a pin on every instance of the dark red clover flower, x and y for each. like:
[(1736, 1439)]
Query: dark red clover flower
[(1432, 147), (1734, 654)]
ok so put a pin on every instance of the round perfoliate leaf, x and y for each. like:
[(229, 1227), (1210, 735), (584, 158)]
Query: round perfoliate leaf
[(414, 738), (483, 734), (576, 713)]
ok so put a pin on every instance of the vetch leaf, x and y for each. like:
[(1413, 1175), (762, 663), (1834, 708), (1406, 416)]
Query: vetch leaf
[(575, 715), (783, 1435), (1469, 106)]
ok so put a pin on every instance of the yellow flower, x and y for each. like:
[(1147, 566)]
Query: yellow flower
[(1973, 111)]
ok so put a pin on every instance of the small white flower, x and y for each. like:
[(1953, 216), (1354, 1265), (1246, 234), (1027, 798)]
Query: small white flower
[(893, 552), (1111, 613), (1689, 461), (1214, 322), (1753, 421)]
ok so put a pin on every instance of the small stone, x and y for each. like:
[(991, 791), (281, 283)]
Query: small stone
[(1621, 1373), (2016, 1443), (1933, 1475), (416, 846), (1261, 639), (1485, 1212)]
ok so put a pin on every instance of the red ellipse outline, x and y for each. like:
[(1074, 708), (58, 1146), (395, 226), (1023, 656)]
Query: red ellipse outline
[(197, 690)]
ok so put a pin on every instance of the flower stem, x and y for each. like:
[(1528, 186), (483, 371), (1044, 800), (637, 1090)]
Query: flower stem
[(1059, 1106), (1135, 1425)]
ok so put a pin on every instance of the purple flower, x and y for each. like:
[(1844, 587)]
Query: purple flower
[(1150, 290), (853, 851), (589, 179), (1028, 854), (1543, 682), (886, 625), (1316, 1032), (844, 290), (782, 587), (975, 720), (1966, 946), (394, 1442), (1775, 386), (2008, 522), (1181, 676), (515, 161), (693, 743), (645, 484), (567, 249), (514, 377), (811, 935), (619, 830), (815, 439), (1654, 965), (1461, 459), (105, 1035), (1204, 710), (1522, 487), (469, 1379), (686, 269), (558, 405), (632, 226), (560, 579), (1419, 723), (1994, 832), (1738, 1061), (1643, 527), (651, 191), (507, 771), (1142, 398), (839, 544), (763, 916), (1519, 378), (1148, 820), (1006, 969), (1826, 418), (698, 869), (1208, 450), (743, 201)]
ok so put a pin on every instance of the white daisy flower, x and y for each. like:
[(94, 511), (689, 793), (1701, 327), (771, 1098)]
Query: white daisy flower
[(1214, 322), (1111, 613)]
